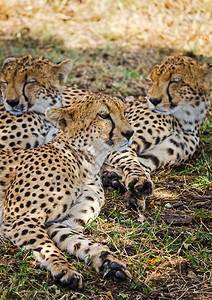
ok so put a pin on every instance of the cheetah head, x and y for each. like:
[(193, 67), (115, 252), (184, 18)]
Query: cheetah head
[(180, 87), (32, 83), (94, 122)]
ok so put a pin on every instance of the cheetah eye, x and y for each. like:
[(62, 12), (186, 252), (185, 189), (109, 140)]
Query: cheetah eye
[(3, 82), (103, 115), (174, 80), (31, 80)]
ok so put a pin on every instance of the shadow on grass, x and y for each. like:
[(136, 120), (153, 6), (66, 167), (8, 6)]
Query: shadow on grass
[(115, 70)]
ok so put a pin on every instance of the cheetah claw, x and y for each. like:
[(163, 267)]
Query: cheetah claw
[(112, 181), (72, 280), (115, 271), (145, 188), (131, 200)]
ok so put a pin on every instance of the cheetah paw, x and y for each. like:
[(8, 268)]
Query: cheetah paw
[(69, 278), (112, 182), (115, 270), (141, 186), (138, 189)]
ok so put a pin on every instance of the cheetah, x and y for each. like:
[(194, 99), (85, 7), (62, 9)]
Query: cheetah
[(48, 194), (166, 125), (29, 85)]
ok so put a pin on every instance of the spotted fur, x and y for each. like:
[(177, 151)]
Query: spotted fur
[(29, 85), (166, 124), (49, 194)]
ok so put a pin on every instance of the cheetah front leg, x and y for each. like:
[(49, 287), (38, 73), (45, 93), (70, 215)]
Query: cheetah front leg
[(84, 248), (123, 171), (173, 150), (68, 235), (28, 234)]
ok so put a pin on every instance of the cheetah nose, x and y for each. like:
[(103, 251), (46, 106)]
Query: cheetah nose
[(155, 101), (13, 102), (128, 134)]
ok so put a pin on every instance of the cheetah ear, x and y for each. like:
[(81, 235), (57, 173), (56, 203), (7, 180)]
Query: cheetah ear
[(8, 61), (62, 70), (59, 116)]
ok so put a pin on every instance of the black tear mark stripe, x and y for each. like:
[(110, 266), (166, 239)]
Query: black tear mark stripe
[(110, 142), (24, 86), (169, 96)]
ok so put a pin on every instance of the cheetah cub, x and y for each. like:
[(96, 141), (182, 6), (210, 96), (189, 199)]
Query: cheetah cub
[(49, 194)]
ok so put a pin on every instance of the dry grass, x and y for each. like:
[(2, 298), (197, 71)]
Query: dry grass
[(179, 24)]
